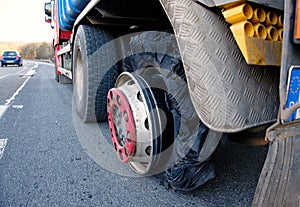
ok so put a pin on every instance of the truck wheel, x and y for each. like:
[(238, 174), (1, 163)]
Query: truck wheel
[(135, 118), (147, 107), (93, 71)]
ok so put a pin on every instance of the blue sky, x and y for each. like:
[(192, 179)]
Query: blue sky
[(23, 21)]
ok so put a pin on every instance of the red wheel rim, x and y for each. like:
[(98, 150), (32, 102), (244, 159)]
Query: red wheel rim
[(121, 124)]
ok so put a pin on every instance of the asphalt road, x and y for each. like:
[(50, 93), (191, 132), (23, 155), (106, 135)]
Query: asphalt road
[(45, 160)]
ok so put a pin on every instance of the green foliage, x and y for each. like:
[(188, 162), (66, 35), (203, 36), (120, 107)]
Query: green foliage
[(41, 50)]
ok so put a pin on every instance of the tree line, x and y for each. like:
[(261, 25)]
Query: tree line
[(34, 50)]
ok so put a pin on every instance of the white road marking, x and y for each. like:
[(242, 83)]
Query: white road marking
[(3, 143), (9, 101), (3, 109), (17, 73), (17, 106), (49, 64), (5, 76), (35, 65), (30, 73)]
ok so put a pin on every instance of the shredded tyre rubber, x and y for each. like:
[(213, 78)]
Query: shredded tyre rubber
[(185, 172)]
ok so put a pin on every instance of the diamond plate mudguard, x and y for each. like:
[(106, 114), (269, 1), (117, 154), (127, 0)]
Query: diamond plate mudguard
[(228, 94)]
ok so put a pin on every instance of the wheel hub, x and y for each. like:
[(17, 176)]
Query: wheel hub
[(121, 124)]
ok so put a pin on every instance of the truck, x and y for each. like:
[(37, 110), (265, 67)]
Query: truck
[(172, 77)]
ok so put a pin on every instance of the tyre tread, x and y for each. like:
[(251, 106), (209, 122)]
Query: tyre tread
[(272, 186), (100, 77)]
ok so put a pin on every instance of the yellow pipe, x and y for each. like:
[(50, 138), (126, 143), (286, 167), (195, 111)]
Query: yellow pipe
[(280, 34), (272, 33), (243, 28), (238, 13), (259, 15), (271, 18), (280, 21), (233, 4), (260, 31)]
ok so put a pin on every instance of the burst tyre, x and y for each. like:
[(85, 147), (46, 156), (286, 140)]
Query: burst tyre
[(153, 93)]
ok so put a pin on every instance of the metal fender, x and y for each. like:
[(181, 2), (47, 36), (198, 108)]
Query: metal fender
[(228, 94)]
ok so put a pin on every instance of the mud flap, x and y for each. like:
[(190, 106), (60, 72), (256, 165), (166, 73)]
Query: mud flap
[(226, 92), (279, 182)]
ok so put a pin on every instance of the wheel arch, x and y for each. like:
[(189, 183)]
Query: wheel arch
[(129, 16)]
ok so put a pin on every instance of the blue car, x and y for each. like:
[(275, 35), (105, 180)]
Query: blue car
[(11, 58)]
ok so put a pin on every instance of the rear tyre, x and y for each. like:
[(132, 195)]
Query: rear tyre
[(154, 90), (94, 72)]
